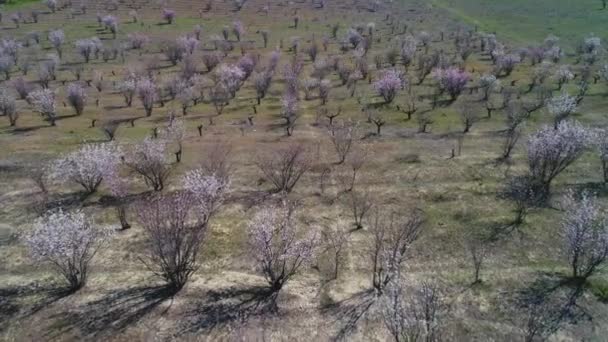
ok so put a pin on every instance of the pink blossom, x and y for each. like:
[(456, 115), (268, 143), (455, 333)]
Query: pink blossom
[(389, 84), (451, 80)]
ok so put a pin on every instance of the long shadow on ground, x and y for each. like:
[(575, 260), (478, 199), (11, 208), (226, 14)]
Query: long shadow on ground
[(550, 302), (112, 313), (224, 307), (348, 312), (18, 302)]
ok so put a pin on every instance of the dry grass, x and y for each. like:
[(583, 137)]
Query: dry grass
[(223, 301)]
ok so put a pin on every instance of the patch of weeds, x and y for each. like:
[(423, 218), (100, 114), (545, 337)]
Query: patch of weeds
[(600, 289), (410, 158)]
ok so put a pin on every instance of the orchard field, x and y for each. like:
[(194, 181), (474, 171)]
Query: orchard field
[(305, 170)]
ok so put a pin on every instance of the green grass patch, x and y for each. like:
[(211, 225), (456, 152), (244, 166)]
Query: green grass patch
[(524, 21)]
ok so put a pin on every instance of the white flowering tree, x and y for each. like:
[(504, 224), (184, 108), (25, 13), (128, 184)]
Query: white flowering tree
[(601, 144), (561, 107), (87, 47), (68, 241), (488, 83), (551, 151), (8, 106), (585, 232), (563, 75), (57, 39), (148, 159), (88, 166), (277, 245), (43, 102), (207, 190)]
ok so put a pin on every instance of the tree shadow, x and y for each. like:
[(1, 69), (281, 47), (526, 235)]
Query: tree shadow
[(596, 188), (223, 307), (23, 130), (348, 312), (110, 314), (550, 302), (249, 199), (503, 230), (15, 301), (66, 200), (63, 117)]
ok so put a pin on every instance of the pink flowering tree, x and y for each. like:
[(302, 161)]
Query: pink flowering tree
[(505, 64), (148, 159), (168, 15), (88, 166), (247, 65), (551, 151), (77, 97), (280, 251), (451, 80), (188, 44), (261, 83), (585, 232), (67, 241), (147, 93), (43, 102), (389, 84)]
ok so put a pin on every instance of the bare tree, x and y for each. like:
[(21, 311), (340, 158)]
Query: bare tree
[(284, 166), (175, 228), (343, 135), (515, 119), (360, 203), (393, 234), (478, 251), (523, 193), (417, 317), (468, 116), (337, 239), (354, 163)]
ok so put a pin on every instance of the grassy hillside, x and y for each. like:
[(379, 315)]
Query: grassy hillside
[(525, 21)]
